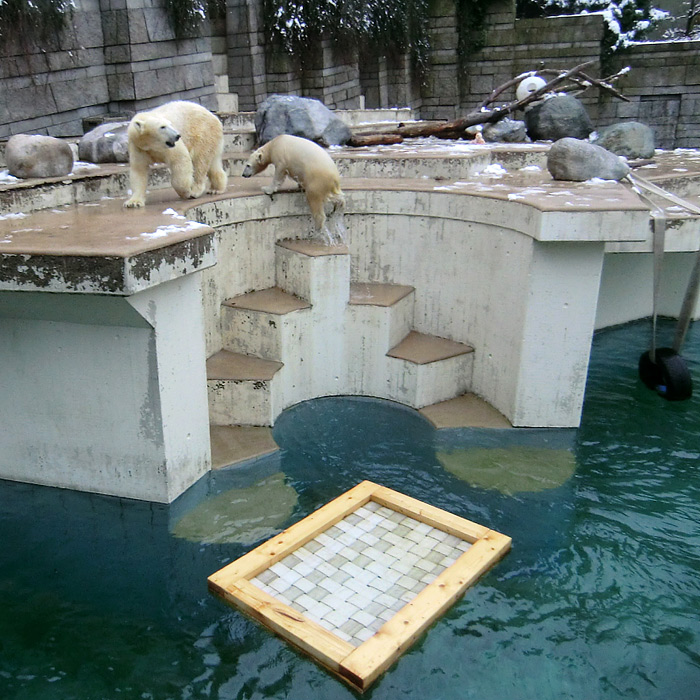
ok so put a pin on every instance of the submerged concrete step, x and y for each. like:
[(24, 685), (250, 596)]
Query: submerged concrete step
[(231, 444), (262, 323), (466, 411), (239, 389)]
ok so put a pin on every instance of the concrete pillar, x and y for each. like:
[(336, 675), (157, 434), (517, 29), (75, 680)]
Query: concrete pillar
[(105, 393), (557, 316)]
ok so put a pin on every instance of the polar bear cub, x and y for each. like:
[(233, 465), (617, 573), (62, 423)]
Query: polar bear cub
[(308, 165), (185, 136)]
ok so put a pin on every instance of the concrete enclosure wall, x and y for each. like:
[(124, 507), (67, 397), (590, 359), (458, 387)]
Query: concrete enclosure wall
[(121, 55)]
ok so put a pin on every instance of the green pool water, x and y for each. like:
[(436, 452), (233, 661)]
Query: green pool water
[(103, 598)]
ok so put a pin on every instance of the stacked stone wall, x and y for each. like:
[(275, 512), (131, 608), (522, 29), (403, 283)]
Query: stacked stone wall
[(663, 86), (114, 56), (119, 56), (52, 87)]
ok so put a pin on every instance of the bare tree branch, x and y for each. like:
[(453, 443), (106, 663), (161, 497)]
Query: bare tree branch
[(574, 78)]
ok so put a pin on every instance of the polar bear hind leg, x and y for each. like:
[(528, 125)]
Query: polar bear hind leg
[(316, 202), (217, 175)]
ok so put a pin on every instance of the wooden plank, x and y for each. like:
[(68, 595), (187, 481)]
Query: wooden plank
[(270, 552), (289, 624), (364, 665), (430, 515)]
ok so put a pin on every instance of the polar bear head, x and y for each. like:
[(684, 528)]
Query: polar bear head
[(151, 131), (257, 162)]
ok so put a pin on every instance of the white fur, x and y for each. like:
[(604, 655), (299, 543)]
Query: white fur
[(308, 165), (185, 136)]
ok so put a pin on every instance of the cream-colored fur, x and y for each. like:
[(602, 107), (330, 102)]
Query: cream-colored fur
[(308, 165), (185, 136)]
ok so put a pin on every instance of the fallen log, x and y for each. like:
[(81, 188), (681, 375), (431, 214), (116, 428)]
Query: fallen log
[(358, 140)]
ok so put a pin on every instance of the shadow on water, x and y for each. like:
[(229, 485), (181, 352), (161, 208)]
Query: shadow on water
[(106, 598)]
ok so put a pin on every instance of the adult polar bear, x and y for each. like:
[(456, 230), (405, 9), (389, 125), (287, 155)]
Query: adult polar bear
[(308, 165), (185, 136)]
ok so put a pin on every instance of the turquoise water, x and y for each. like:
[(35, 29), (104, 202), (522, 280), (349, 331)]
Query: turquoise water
[(102, 598)]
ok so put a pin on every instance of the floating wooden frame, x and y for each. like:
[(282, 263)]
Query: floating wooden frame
[(451, 551)]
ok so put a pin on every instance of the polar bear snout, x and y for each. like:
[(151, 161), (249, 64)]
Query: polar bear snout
[(170, 134), (248, 170)]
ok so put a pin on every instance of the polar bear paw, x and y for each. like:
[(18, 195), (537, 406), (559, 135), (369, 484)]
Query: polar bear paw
[(134, 203)]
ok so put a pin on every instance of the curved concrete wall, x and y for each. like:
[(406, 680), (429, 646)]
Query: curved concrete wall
[(517, 283)]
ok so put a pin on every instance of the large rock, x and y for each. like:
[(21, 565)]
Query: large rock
[(572, 159), (299, 116), (33, 155), (505, 131), (556, 118), (629, 139), (106, 143)]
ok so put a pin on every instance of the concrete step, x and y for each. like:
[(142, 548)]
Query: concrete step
[(428, 369), (239, 388), (239, 142), (238, 120), (261, 323), (367, 117), (378, 317), (421, 349), (314, 271)]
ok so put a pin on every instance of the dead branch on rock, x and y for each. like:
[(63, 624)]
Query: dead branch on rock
[(456, 128)]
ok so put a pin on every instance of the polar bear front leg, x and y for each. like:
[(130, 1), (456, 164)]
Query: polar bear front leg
[(139, 163), (181, 172), (200, 168), (277, 180)]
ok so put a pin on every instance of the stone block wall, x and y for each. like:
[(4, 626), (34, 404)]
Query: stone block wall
[(518, 46), (145, 62), (115, 56), (440, 88), (663, 84), (119, 56), (664, 88), (51, 88)]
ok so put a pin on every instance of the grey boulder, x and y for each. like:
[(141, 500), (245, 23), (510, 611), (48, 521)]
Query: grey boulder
[(572, 159), (299, 116), (556, 118), (629, 139), (505, 131), (34, 155), (106, 143)]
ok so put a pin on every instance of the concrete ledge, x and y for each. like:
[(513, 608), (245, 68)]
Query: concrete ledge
[(101, 248)]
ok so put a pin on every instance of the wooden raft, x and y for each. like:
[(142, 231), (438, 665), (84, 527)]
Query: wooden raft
[(312, 583)]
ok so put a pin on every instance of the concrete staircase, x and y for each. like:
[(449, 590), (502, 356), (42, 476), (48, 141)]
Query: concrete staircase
[(317, 334)]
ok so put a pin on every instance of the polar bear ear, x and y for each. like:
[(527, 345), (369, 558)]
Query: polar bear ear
[(138, 124)]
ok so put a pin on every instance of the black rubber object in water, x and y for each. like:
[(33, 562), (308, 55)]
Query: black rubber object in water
[(669, 376)]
